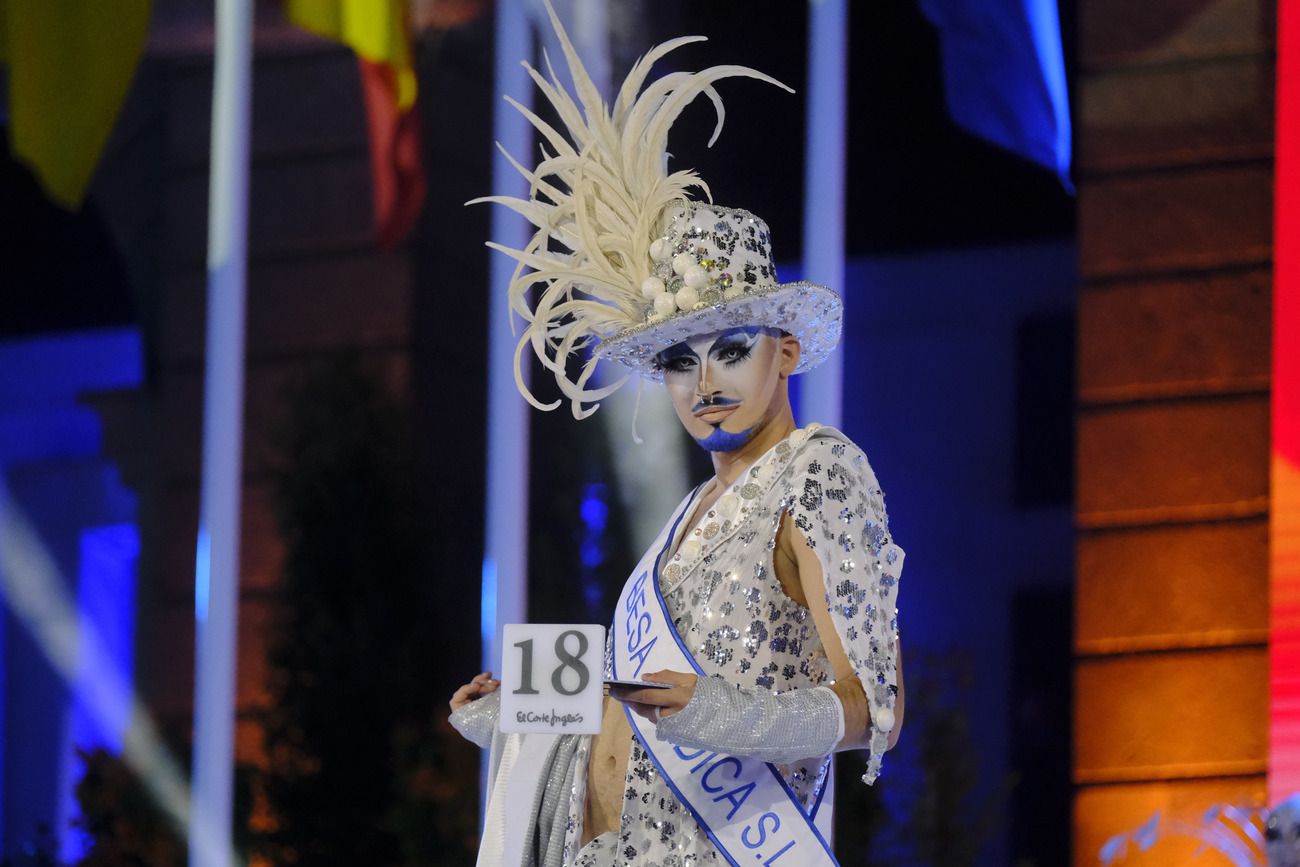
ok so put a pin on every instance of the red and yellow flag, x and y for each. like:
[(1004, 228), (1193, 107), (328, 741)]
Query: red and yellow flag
[(379, 32), (70, 63)]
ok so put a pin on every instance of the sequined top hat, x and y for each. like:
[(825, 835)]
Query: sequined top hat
[(627, 261), (713, 270)]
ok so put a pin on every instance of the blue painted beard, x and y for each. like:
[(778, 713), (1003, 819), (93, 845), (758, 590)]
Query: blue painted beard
[(725, 441)]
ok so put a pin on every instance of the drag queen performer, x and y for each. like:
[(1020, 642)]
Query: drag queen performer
[(768, 602)]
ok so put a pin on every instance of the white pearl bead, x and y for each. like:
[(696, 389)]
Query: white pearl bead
[(884, 719), (687, 298), (797, 438), (696, 277), (681, 262), (651, 287), (665, 304), (689, 550), (660, 249)]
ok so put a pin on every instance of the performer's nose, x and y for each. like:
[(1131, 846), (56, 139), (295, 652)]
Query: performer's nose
[(702, 388)]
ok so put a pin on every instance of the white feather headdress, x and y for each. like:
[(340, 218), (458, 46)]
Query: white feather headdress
[(602, 196)]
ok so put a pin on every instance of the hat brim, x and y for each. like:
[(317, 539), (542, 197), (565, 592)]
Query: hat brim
[(811, 312)]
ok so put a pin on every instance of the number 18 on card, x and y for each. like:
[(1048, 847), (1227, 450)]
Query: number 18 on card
[(551, 678)]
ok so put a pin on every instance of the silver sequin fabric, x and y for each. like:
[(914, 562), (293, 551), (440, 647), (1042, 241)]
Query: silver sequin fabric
[(722, 593), (780, 727), (476, 721)]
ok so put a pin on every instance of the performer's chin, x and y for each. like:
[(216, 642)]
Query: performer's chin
[(726, 441)]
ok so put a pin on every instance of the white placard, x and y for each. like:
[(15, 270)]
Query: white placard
[(552, 678)]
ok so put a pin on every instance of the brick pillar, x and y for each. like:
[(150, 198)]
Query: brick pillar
[(1175, 108)]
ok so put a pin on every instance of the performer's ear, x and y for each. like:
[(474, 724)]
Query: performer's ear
[(789, 349)]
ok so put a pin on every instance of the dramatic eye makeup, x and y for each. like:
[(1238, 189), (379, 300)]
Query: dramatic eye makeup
[(676, 359), (733, 349), (730, 347)]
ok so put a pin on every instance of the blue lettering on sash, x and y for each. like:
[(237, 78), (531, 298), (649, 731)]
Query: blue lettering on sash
[(736, 795), (643, 622), (704, 780), (786, 848), (634, 636), (762, 832), (710, 757), (747, 838), (636, 598), (640, 656)]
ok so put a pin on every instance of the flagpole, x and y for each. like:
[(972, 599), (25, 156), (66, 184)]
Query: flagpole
[(505, 556), (216, 579), (821, 390)]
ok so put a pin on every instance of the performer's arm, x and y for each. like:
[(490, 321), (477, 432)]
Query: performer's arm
[(808, 589), (857, 710), (475, 708), (849, 567)]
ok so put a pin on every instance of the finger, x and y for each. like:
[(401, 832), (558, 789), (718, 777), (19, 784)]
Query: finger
[(481, 689), (470, 691), (647, 711), (639, 697), (676, 678), (631, 695), (660, 698), (618, 691)]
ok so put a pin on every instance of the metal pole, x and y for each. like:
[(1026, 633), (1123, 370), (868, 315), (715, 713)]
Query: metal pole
[(505, 558), (216, 579), (820, 391)]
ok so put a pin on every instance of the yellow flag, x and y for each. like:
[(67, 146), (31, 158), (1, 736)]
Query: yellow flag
[(375, 29), (70, 64)]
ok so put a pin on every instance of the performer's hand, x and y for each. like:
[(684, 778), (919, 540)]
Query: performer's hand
[(481, 685), (657, 704)]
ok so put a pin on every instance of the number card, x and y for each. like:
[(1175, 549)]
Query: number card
[(551, 678)]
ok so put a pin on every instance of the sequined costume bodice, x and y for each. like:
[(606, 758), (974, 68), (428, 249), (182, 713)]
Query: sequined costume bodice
[(722, 593)]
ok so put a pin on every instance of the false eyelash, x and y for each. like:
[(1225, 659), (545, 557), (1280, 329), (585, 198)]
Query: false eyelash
[(742, 352), (670, 364)]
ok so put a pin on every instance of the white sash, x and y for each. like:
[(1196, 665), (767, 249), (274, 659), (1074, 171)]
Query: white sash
[(745, 806), (514, 794)]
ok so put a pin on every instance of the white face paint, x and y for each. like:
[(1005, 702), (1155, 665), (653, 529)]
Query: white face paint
[(724, 385)]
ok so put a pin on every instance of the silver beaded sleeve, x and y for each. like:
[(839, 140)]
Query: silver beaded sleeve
[(780, 728), (477, 721)]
